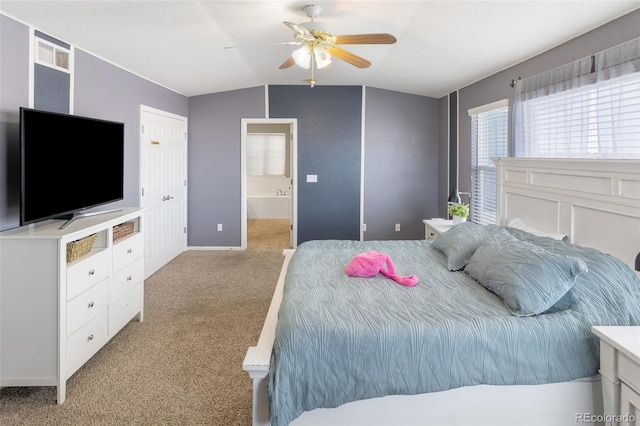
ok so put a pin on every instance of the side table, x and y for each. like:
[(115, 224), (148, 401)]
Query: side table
[(435, 227)]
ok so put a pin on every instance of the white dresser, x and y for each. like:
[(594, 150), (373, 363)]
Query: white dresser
[(55, 315), (620, 373)]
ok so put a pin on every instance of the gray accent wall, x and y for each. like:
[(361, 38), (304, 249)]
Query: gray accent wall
[(51, 89), (401, 165), (443, 158), (214, 164), (329, 146)]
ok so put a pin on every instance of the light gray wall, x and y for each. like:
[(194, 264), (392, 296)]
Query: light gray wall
[(105, 91), (496, 87), (401, 164), (14, 93), (101, 90), (214, 164)]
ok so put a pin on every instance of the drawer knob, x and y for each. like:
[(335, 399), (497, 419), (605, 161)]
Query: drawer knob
[(129, 251), (90, 338), (129, 278), (91, 304), (91, 272)]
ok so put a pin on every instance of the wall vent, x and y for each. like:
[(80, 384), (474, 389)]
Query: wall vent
[(52, 56)]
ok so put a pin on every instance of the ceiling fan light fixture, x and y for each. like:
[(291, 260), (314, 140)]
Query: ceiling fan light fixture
[(322, 56), (302, 57)]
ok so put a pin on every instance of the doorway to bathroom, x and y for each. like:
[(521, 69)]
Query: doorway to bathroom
[(268, 181)]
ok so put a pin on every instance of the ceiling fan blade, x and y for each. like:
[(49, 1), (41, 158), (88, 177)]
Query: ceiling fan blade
[(288, 63), (300, 31), (348, 57), (380, 38), (286, 43)]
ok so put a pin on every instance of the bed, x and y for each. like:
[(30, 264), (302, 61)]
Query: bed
[(449, 350)]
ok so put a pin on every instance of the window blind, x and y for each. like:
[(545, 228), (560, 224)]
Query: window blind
[(489, 139), (266, 154), (589, 108)]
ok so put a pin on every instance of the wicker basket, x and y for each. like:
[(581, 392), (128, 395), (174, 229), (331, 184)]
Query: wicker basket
[(78, 248), (122, 230)]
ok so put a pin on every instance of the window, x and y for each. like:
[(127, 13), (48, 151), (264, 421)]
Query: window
[(266, 154), (589, 108), (489, 139)]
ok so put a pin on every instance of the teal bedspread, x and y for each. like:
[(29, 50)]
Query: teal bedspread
[(341, 339)]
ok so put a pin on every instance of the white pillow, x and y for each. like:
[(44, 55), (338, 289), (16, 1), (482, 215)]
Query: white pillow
[(518, 223)]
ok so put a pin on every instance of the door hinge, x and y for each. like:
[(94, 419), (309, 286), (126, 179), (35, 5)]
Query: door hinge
[(143, 128), (143, 192), (185, 230), (291, 226), (185, 182)]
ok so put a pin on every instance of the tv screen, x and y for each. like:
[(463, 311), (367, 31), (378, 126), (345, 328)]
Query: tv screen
[(68, 163)]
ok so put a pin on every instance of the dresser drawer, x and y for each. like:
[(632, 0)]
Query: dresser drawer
[(125, 279), (86, 341), (629, 372), (87, 306), (122, 310), (86, 273), (126, 251)]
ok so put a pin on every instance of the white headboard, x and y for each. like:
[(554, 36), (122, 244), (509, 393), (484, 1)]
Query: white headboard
[(596, 203)]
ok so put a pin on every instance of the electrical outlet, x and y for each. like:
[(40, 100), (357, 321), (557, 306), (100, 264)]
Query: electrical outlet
[(219, 227), (397, 226)]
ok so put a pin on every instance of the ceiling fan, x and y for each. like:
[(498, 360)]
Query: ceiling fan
[(319, 46)]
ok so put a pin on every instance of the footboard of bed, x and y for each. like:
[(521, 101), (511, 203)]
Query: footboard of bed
[(256, 361)]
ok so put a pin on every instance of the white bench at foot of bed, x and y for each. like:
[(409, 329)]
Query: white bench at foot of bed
[(566, 403)]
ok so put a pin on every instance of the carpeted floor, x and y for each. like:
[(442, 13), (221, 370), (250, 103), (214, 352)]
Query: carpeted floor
[(183, 364)]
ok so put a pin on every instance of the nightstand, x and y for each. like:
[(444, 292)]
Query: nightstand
[(435, 227), (620, 373)]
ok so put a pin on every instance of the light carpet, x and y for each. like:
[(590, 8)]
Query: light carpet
[(183, 364)]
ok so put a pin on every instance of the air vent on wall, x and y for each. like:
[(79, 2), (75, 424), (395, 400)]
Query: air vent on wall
[(51, 55)]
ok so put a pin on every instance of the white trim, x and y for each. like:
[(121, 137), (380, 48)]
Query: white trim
[(266, 101), (362, 158), (489, 107), (163, 112), (213, 248), (72, 79), (293, 144), (32, 55)]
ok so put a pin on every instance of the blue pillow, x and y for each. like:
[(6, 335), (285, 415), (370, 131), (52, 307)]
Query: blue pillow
[(460, 242), (529, 279)]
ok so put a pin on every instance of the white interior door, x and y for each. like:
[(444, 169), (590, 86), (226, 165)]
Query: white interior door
[(163, 185)]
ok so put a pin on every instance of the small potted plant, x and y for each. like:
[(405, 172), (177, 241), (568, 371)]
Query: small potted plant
[(460, 212)]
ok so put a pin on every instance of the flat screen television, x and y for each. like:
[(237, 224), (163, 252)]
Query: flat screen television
[(69, 163)]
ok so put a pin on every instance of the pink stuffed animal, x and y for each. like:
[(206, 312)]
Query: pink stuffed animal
[(370, 263)]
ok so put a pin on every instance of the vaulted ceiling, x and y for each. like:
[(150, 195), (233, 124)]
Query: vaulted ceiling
[(441, 45)]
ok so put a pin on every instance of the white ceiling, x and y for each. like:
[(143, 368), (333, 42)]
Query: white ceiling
[(442, 45)]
